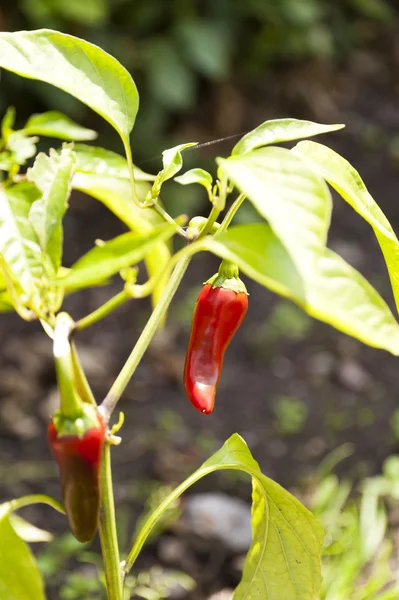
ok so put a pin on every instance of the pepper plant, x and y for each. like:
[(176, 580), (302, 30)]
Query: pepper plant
[(287, 253)]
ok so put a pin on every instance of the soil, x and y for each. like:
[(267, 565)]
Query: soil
[(344, 391)]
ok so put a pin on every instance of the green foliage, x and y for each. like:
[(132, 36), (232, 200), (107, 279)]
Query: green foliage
[(288, 254), (333, 292), (173, 51), (77, 67), (107, 258), (280, 130), (358, 555), (287, 540), (348, 183), (52, 175), (19, 576), (55, 124), (292, 189)]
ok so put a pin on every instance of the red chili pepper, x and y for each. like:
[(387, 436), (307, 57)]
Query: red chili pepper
[(218, 313), (79, 460)]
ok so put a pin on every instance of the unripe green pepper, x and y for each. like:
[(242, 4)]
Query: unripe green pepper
[(219, 311)]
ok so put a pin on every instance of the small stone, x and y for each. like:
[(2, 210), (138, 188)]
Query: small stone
[(225, 594), (353, 376), (171, 550), (221, 517)]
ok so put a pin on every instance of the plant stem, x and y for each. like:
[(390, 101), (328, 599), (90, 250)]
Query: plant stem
[(71, 403), (230, 214), (18, 503), (166, 216), (108, 535), (129, 157), (213, 215), (145, 338), (103, 311), (81, 382)]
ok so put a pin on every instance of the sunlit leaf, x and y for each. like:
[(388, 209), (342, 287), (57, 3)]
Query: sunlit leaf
[(7, 122), (334, 293), (77, 67), (116, 195), (110, 257), (21, 146), (52, 176), (28, 532), (346, 180), (20, 578), (19, 244), (287, 539), (172, 163), (99, 161), (280, 130), (196, 176), (56, 124), (295, 202)]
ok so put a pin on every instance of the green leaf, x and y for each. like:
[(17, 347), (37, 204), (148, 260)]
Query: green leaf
[(99, 161), (52, 175), (172, 163), (6, 303), (106, 259), (347, 182), (28, 532), (56, 124), (280, 130), (196, 176), (19, 244), (7, 123), (287, 539), (77, 67), (20, 578), (21, 146), (334, 292), (287, 193), (116, 195)]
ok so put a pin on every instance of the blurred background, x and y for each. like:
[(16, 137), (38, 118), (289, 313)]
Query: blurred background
[(296, 389)]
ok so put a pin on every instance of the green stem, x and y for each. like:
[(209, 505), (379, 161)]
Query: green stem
[(108, 534), (103, 311), (166, 216), (12, 505), (82, 385), (145, 338), (213, 215), (230, 214), (129, 157), (71, 403)]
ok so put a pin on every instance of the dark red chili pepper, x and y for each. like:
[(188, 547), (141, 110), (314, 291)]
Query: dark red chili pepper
[(218, 313), (79, 460)]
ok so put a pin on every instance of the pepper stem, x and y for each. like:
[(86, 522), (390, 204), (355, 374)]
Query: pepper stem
[(228, 270), (71, 403), (228, 277)]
